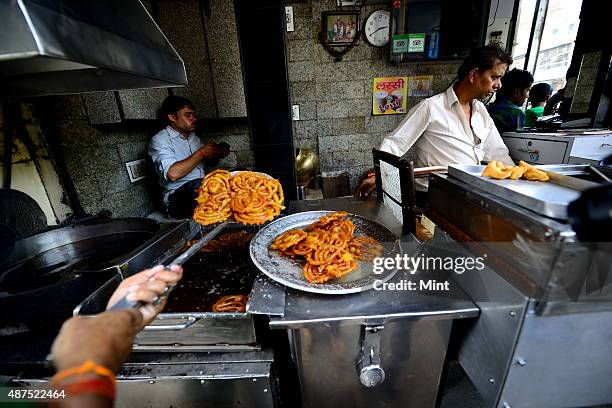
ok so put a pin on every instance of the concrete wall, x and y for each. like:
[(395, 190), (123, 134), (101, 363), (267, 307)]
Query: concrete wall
[(335, 98)]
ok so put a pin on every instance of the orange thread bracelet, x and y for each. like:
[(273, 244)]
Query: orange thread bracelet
[(101, 386), (87, 367)]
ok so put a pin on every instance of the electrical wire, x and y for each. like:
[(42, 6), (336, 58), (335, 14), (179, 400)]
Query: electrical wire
[(494, 14)]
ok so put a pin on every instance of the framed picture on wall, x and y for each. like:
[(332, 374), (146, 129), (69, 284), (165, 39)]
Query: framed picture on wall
[(340, 27), (137, 170)]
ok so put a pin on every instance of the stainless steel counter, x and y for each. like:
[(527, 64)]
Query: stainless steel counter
[(374, 348), (306, 308)]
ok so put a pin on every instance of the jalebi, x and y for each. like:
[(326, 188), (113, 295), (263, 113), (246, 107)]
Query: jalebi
[(251, 198), (328, 246), (231, 304)]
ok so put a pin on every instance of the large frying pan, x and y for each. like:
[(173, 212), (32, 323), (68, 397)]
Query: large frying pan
[(48, 274)]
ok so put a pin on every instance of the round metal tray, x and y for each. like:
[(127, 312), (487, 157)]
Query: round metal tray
[(289, 272)]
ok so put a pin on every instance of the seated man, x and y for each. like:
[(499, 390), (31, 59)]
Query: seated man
[(506, 110), (453, 126), (177, 154), (538, 95)]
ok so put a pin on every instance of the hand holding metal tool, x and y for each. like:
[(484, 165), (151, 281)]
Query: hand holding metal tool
[(125, 303)]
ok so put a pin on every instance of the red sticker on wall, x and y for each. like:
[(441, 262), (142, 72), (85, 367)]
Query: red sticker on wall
[(397, 4)]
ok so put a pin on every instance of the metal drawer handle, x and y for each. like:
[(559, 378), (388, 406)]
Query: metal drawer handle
[(529, 151), (171, 327), (606, 145), (369, 369)]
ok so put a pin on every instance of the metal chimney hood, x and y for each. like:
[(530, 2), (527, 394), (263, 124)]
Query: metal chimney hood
[(52, 47)]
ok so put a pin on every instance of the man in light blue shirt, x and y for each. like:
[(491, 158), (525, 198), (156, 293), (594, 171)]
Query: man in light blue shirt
[(178, 156)]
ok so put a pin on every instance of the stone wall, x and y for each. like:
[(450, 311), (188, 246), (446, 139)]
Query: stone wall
[(335, 98), (95, 155)]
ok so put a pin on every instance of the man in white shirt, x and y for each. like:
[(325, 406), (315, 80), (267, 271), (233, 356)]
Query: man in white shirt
[(453, 127)]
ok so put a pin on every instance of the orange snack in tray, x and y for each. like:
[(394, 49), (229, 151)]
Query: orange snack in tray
[(498, 170), (328, 246), (231, 304), (249, 197)]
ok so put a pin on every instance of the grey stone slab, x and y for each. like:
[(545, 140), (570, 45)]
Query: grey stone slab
[(225, 62), (301, 71), (326, 161), (442, 82), (308, 110), (319, 6), (325, 127), (437, 68), (301, 9), (114, 179), (102, 108), (229, 161), (300, 50), (348, 158), (399, 70), (335, 71), (358, 107), (184, 28), (245, 158), (67, 106), (307, 144), (381, 123), (363, 141), (353, 125), (132, 151), (341, 90), (330, 144), (73, 132), (305, 129), (302, 29), (302, 92), (141, 103), (332, 109), (364, 69)]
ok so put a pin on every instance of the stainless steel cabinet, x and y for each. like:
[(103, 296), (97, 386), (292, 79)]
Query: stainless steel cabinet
[(578, 147)]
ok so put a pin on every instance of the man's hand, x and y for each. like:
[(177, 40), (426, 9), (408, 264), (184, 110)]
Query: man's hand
[(212, 150), (105, 339), (147, 286), (366, 187)]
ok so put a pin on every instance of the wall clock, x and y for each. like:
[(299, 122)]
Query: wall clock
[(376, 28)]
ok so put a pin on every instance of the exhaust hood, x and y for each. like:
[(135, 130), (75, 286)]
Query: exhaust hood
[(52, 47)]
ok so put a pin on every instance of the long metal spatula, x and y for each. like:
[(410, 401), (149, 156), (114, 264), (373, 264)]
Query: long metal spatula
[(124, 303)]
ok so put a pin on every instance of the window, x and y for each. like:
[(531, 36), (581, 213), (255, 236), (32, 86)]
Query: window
[(551, 48)]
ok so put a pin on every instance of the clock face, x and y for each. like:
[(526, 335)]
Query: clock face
[(377, 28)]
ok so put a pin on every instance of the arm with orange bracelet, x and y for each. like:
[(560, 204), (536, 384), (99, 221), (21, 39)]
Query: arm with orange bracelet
[(89, 351)]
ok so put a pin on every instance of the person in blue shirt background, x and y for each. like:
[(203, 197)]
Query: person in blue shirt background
[(178, 156), (506, 109)]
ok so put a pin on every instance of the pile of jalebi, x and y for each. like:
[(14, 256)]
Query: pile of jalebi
[(328, 246), (226, 241), (231, 304), (213, 198), (249, 197)]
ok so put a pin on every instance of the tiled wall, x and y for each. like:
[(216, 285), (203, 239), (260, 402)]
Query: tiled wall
[(95, 155), (335, 98)]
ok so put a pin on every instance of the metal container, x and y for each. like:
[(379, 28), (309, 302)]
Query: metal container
[(190, 380), (187, 324), (542, 337)]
